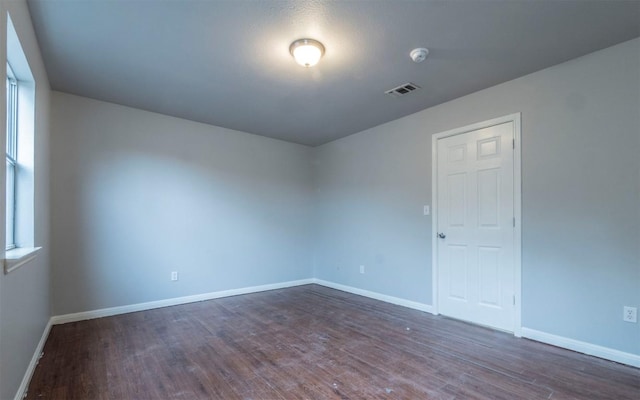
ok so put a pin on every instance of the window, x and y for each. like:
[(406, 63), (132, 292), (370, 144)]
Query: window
[(20, 160), (12, 156)]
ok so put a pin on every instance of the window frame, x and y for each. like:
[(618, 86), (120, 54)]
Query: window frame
[(11, 157), (20, 243)]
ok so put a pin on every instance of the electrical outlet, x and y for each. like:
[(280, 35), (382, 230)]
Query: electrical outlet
[(362, 269), (426, 210), (174, 275), (630, 314)]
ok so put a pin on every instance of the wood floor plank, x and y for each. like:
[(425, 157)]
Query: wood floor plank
[(311, 342)]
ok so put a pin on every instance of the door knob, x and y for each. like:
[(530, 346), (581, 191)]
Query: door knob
[(442, 235)]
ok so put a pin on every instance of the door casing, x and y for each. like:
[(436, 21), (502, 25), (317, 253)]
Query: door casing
[(517, 208)]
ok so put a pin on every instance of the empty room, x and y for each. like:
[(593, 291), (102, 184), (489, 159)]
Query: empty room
[(320, 199)]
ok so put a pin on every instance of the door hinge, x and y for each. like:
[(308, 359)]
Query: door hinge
[(514, 222), (513, 143), (514, 300)]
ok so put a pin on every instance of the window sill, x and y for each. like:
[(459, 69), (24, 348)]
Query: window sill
[(16, 258)]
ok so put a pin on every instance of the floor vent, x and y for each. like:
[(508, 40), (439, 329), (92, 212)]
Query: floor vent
[(402, 90)]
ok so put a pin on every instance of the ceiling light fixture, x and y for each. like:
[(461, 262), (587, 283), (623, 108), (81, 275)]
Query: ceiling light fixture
[(307, 52)]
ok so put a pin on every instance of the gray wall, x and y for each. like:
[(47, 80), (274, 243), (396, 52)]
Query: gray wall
[(580, 190), (24, 293), (137, 195)]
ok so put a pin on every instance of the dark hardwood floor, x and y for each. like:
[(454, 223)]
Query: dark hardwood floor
[(311, 342)]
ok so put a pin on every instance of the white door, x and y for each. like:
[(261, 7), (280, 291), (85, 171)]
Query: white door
[(475, 225)]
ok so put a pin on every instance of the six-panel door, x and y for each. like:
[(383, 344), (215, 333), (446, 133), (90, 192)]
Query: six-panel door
[(475, 216)]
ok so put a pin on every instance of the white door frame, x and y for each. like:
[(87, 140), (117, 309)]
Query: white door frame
[(517, 208)]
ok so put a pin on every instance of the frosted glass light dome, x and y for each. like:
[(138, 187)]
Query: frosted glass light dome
[(306, 52)]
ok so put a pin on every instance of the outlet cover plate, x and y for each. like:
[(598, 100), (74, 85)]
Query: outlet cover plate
[(630, 314)]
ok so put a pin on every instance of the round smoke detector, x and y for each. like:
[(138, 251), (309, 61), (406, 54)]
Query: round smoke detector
[(419, 55)]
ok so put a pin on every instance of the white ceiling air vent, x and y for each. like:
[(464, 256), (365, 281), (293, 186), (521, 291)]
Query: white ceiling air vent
[(402, 89)]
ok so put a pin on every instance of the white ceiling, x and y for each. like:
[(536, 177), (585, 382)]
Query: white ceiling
[(227, 63)]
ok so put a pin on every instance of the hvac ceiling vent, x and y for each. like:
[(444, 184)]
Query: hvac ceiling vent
[(402, 90)]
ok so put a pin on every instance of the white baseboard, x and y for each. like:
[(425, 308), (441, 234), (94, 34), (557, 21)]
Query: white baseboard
[(583, 347), (377, 296), (24, 385), (106, 312)]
